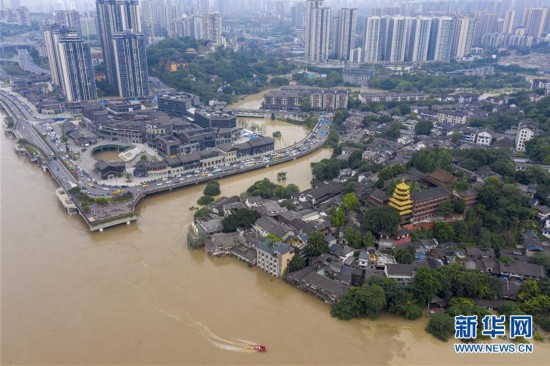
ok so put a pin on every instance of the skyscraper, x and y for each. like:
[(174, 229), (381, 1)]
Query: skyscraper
[(399, 29), (131, 64), (375, 39), (51, 36), (441, 39), (508, 24), (76, 70), (212, 27), (115, 16), (348, 28), (317, 31), (420, 39), (533, 20), (463, 37), (335, 23), (70, 63)]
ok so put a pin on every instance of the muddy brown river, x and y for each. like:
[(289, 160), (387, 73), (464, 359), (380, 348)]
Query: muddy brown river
[(136, 294)]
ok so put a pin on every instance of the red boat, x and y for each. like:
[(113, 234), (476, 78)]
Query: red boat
[(260, 348)]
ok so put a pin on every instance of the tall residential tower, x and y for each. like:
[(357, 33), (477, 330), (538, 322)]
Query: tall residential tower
[(317, 32)]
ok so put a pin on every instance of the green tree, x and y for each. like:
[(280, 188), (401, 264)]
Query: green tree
[(64, 139), (281, 176), (351, 202), (460, 184), (428, 160), (544, 260), (368, 239), (346, 307), (445, 208), (441, 326), (326, 169), (355, 159), (410, 310), (296, 263), (443, 231), (101, 201), (205, 200), (394, 132), (371, 300), (316, 245), (406, 255), (423, 127), (353, 237), (396, 295), (382, 219), (339, 218), (240, 218), (212, 188), (425, 285)]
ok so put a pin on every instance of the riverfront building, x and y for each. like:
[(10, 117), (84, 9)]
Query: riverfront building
[(70, 63), (215, 119), (273, 257), (291, 98)]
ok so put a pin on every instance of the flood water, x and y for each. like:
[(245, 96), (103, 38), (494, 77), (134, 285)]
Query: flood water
[(136, 294), (108, 156)]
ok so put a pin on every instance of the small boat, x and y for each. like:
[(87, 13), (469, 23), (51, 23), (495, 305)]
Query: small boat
[(260, 348)]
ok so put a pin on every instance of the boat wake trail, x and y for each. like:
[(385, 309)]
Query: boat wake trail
[(237, 345), (228, 345)]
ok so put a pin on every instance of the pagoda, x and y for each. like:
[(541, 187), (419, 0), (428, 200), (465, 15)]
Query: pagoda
[(401, 200)]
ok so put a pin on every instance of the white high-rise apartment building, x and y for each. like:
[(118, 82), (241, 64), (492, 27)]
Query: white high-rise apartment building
[(346, 36), (317, 32), (212, 28), (533, 21), (375, 29), (508, 23), (399, 30), (441, 39), (421, 40), (463, 37)]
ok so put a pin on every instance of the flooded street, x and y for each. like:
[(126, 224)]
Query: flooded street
[(135, 294), (290, 133), (108, 156)]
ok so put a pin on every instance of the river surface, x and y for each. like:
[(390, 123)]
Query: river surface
[(135, 294)]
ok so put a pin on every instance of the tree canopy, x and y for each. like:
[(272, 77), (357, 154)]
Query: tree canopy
[(382, 219), (240, 218)]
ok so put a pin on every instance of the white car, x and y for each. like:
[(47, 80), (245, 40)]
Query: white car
[(159, 184), (106, 189), (168, 182)]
